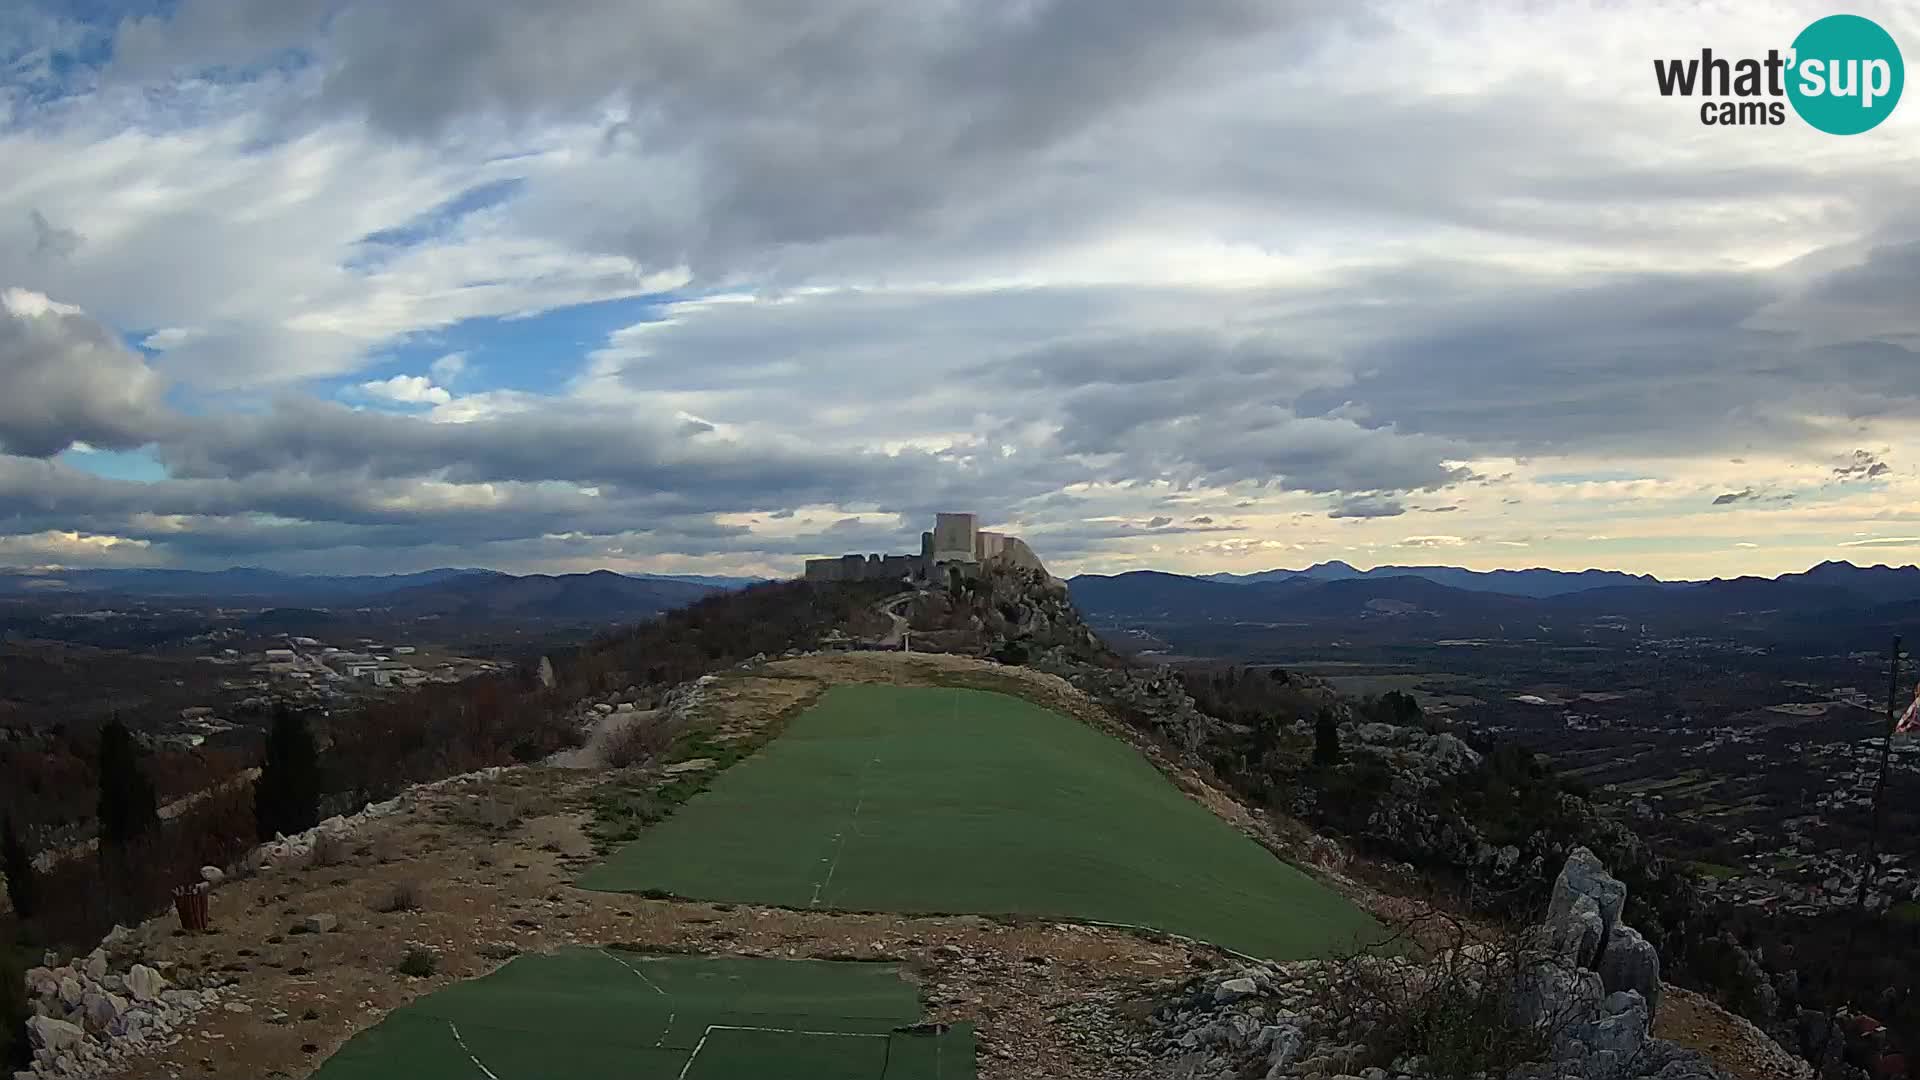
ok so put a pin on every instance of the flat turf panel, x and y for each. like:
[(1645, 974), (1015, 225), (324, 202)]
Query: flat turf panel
[(920, 800), (932, 1057), (604, 1014)]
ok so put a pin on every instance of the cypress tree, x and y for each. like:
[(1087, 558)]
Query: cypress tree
[(286, 798), (22, 889), (16, 1049), (128, 808), (1326, 738)]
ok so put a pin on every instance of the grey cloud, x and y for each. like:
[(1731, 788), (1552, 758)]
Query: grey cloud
[(1864, 465), (1159, 522), (1203, 521), (50, 241), (65, 377), (860, 120), (1734, 496), (1367, 506)]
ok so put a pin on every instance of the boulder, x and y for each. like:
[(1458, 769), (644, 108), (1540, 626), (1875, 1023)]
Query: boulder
[(1631, 963), (320, 924), (1585, 875), (71, 992), (102, 1011), (55, 1035), (144, 983), (1577, 934), (1235, 989), (212, 875), (1553, 996), (96, 965)]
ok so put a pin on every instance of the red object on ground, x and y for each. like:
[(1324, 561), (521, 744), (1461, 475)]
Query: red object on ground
[(191, 902)]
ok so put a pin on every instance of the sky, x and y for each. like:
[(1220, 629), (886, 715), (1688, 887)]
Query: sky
[(713, 286)]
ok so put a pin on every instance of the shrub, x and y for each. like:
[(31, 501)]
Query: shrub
[(1462, 1009), (640, 742), (406, 896), (419, 962), (286, 798), (22, 878), (128, 808)]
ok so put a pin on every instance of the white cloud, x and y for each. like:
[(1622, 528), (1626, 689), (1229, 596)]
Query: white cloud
[(407, 390), (449, 367)]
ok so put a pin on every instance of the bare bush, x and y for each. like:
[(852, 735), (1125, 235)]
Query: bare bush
[(405, 896), (419, 962), (640, 742), (1470, 1006)]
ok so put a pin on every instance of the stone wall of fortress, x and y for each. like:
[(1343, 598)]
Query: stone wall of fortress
[(955, 541)]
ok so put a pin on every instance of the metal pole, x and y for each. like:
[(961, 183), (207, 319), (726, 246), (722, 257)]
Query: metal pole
[(1880, 785), (1872, 850)]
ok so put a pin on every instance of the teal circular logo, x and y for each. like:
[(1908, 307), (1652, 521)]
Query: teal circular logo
[(1847, 75)]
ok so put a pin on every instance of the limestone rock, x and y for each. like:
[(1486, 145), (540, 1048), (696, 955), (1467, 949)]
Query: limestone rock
[(144, 983), (1235, 989), (55, 1035), (1631, 963), (71, 992), (1576, 936), (320, 924), (1584, 875)]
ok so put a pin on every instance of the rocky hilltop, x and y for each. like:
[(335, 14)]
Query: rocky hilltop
[(1541, 958)]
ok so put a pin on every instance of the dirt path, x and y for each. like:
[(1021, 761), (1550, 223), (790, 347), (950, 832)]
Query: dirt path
[(592, 754)]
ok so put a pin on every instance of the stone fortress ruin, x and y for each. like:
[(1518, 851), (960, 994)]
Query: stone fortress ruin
[(956, 549)]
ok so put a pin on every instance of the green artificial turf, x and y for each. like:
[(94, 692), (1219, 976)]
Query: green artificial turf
[(595, 1014), (922, 800)]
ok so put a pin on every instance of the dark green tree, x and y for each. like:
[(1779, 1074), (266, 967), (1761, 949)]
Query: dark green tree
[(22, 889), (128, 807), (286, 798), (16, 1050), (1402, 709), (1326, 738)]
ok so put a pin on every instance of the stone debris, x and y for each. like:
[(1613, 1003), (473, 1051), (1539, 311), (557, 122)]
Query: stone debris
[(89, 1015)]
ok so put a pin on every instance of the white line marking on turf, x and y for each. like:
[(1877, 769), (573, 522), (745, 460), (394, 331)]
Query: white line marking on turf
[(463, 1046), (671, 1013), (840, 838), (711, 1028)]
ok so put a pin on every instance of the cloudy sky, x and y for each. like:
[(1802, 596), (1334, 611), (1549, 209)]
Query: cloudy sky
[(714, 285)]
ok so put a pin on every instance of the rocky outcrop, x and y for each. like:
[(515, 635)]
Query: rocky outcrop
[(1585, 984)]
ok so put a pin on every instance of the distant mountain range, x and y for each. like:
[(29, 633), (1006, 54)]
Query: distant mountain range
[(1876, 595), (602, 594), (1510, 582), (251, 584)]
